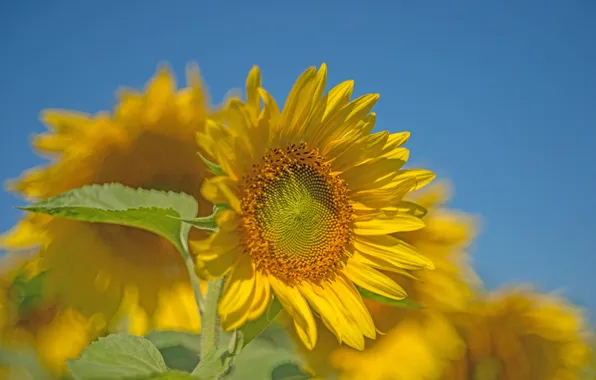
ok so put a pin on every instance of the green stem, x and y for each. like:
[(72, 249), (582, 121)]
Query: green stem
[(210, 321), (235, 345), (194, 279)]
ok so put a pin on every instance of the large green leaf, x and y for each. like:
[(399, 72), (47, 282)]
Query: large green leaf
[(118, 356), (174, 375), (289, 371), (155, 211), (253, 328), (180, 350), (405, 303), (271, 355), (212, 365)]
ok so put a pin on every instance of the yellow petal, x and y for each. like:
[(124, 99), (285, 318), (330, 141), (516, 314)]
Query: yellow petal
[(159, 94), (295, 304), (422, 177), (253, 83), (235, 302), (331, 112), (396, 140), (388, 195), (270, 111), (371, 171), (390, 251), (373, 280), (320, 302), (401, 154), (221, 190), (297, 105), (219, 255), (349, 153), (200, 97), (352, 301), (65, 122), (26, 234), (353, 113), (338, 97), (389, 225), (242, 125), (227, 220), (262, 297)]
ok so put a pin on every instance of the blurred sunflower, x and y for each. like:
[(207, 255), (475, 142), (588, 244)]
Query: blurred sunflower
[(445, 239), (30, 320), (419, 343), (312, 198), (518, 334), (148, 141), (420, 347)]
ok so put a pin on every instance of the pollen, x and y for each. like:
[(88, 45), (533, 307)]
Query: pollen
[(296, 216)]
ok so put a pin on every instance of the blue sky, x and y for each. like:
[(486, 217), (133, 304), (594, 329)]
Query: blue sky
[(499, 96)]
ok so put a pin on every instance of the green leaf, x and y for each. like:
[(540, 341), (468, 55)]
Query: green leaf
[(170, 338), (180, 350), (212, 365), (289, 371), (253, 328), (118, 356), (405, 303), (268, 351), (212, 166), (173, 375), (204, 223), (150, 210), (29, 291)]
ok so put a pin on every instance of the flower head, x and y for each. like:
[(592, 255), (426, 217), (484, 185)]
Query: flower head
[(419, 343), (419, 347), (148, 141), (446, 240), (312, 198), (31, 320), (517, 334)]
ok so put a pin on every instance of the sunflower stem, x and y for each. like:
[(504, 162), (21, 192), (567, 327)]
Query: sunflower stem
[(209, 319), (235, 345), (194, 279)]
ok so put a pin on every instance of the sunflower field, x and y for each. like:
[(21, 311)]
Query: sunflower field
[(170, 238)]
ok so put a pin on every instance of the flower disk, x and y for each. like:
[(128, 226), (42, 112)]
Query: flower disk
[(296, 216)]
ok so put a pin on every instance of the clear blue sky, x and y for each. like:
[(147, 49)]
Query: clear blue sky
[(500, 96)]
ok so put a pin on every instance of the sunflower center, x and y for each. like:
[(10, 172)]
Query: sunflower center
[(296, 216)]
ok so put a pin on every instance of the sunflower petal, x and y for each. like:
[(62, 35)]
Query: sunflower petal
[(389, 225), (392, 252), (373, 280), (295, 304), (237, 296)]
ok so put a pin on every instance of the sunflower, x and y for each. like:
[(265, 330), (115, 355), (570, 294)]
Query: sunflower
[(29, 319), (311, 198), (445, 240), (420, 347), (148, 141), (445, 291), (517, 334)]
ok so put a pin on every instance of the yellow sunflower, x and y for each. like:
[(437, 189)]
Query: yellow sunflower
[(28, 319), (447, 289), (445, 240), (420, 347), (312, 198), (148, 141), (518, 334)]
